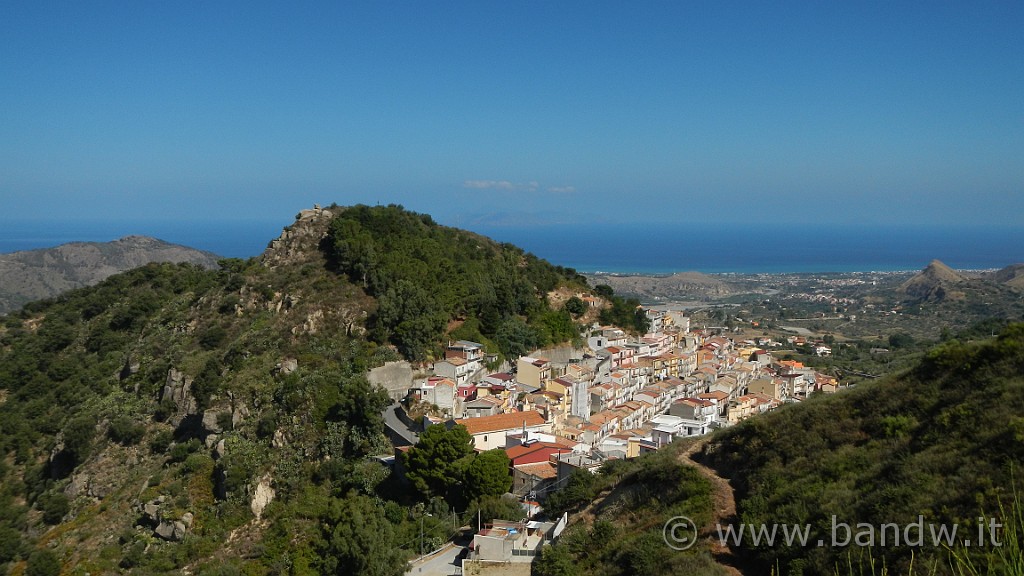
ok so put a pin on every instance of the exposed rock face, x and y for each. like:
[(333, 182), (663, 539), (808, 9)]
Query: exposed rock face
[(210, 422), (178, 388), (937, 282), (300, 241), (263, 495), (36, 274)]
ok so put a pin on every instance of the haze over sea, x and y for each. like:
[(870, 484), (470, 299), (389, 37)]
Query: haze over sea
[(633, 248)]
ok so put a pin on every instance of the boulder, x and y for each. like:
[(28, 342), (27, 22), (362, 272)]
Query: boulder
[(262, 496), (287, 366), (165, 530), (210, 424)]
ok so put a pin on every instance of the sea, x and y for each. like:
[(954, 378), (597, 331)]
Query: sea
[(628, 248)]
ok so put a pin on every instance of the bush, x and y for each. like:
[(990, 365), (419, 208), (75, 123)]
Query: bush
[(126, 432), (213, 337), (161, 441), (54, 506), (42, 563)]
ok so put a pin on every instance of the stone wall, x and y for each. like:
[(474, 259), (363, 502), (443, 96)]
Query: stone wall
[(395, 377)]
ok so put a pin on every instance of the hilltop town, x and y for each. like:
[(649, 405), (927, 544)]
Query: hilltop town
[(617, 397)]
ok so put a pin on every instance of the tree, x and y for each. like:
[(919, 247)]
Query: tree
[(360, 405), (556, 560), (434, 464), (359, 540), (501, 507), (575, 306), (487, 475), (410, 317), (901, 340), (515, 338)]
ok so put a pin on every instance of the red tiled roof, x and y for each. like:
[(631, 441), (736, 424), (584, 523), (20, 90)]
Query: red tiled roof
[(543, 470), (500, 422)]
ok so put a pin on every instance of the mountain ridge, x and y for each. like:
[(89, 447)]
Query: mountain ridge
[(29, 275)]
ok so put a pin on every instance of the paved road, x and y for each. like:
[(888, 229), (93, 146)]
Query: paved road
[(398, 432), (444, 563)]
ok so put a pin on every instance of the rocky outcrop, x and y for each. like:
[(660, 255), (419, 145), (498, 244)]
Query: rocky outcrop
[(178, 389), (153, 516), (299, 242), (262, 496), (287, 366)]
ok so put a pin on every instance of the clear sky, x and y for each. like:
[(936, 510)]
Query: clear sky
[(487, 112)]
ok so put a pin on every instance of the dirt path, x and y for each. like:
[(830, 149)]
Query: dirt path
[(724, 512)]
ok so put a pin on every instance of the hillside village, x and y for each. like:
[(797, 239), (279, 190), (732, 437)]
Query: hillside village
[(623, 396)]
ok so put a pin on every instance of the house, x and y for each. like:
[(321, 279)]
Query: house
[(500, 379), (485, 406), (500, 540), (466, 391), (771, 387), (697, 416), (489, 431), (606, 336), (456, 369), (437, 391), (466, 350), (533, 480), (568, 464), (532, 371), (533, 452), (719, 399)]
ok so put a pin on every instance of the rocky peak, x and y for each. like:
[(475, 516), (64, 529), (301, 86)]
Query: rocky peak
[(299, 242)]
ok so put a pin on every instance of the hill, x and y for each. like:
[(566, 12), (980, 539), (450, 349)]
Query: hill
[(1012, 275), (939, 442), (44, 273), (937, 282), (175, 418), (678, 286)]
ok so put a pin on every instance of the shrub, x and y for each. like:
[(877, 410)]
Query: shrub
[(161, 441), (125, 431), (54, 506), (42, 563)]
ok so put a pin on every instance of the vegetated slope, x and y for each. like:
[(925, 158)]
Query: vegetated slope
[(939, 441), (36, 274), (620, 516), (173, 417)]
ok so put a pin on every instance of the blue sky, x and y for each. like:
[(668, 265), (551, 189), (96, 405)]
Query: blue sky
[(491, 113)]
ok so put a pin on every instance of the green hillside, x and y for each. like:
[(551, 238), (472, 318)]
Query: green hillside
[(139, 417), (943, 441)]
